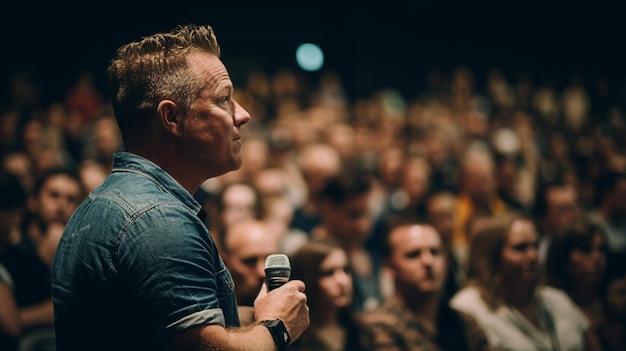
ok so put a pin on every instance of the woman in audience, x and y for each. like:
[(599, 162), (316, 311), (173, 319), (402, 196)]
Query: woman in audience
[(324, 268), (505, 296), (577, 264)]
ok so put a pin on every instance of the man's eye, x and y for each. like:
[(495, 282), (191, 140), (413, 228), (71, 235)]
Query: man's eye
[(250, 262)]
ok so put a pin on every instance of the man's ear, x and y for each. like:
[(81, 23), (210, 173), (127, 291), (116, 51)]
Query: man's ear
[(171, 117)]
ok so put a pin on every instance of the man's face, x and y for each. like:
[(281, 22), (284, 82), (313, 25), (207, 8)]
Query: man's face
[(59, 196), (349, 221), (563, 207), (417, 258), (246, 248), (211, 130)]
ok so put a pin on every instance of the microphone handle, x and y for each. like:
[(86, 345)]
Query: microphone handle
[(277, 277)]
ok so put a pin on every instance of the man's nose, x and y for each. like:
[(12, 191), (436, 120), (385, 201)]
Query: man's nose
[(241, 115)]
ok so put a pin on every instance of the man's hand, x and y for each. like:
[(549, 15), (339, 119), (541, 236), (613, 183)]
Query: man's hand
[(287, 303)]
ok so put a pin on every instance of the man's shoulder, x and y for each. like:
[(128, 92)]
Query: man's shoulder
[(131, 191)]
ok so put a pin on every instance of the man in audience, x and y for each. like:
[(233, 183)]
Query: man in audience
[(245, 246)]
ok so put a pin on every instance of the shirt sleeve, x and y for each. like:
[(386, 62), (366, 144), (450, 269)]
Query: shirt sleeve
[(171, 264)]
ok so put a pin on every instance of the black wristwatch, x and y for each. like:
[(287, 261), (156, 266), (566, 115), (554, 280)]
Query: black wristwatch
[(279, 333)]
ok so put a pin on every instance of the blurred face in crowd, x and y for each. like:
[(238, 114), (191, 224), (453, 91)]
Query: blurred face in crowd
[(417, 260), (9, 219), (440, 212), (562, 207), (616, 199), (479, 178), (390, 164), (59, 196), (246, 246), (587, 264), (416, 177), (520, 259), (335, 280), (319, 163), (349, 221), (239, 202)]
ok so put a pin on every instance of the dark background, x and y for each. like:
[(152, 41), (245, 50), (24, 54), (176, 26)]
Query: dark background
[(371, 44)]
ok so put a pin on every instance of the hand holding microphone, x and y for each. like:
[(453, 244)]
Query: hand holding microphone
[(284, 312)]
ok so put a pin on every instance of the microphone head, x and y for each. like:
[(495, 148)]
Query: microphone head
[(277, 261), (277, 270)]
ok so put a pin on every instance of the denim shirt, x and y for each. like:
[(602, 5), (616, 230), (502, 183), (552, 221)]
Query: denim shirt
[(136, 265)]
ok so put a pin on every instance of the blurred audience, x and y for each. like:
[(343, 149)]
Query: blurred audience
[(236, 201), (417, 316), (343, 205), (12, 207), (56, 194), (318, 162), (577, 264), (550, 146), (440, 213), (478, 193), (610, 212), (557, 206), (505, 295)]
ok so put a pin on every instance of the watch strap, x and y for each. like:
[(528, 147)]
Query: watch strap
[(279, 333)]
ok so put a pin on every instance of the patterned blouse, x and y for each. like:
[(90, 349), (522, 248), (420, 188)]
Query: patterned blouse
[(393, 327)]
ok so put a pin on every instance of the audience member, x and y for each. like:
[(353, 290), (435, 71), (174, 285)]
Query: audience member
[(343, 204), (611, 212), (414, 182), (615, 297), (440, 213), (577, 264), (92, 174), (477, 192), (323, 266), (56, 195), (417, 316), (509, 160), (245, 246), (506, 298), (318, 162), (278, 214), (556, 207), (407, 199), (12, 206), (19, 163), (236, 201), (104, 140)]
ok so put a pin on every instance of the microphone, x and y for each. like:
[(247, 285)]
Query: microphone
[(277, 270)]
